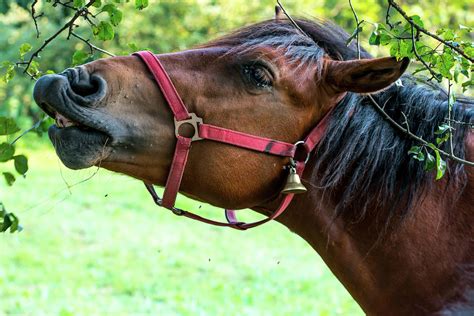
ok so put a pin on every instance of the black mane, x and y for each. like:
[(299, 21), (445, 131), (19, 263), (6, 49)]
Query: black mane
[(363, 160), (368, 158)]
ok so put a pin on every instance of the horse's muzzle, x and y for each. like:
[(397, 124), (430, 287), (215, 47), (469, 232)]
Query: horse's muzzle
[(75, 84)]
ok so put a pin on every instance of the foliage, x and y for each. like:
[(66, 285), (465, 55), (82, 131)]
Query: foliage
[(32, 46), (444, 55), (8, 220)]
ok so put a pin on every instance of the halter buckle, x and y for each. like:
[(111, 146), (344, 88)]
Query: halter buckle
[(194, 120), (301, 144)]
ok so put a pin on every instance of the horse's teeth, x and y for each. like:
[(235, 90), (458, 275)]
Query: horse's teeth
[(62, 121)]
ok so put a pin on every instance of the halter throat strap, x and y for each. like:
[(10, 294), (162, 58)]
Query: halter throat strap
[(204, 131)]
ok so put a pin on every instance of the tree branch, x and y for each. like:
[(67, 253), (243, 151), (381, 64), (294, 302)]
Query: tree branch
[(357, 28), (413, 43), (423, 30), (292, 21), (68, 25), (35, 17), (92, 46), (413, 136)]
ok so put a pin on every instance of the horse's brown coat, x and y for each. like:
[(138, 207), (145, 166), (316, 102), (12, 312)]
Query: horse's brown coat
[(416, 268)]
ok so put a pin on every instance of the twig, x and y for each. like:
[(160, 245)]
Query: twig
[(471, 125), (34, 16), (450, 108), (413, 136), (423, 30), (35, 126), (293, 21), (65, 4), (92, 46), (357, 28), (413, 44), (387, 16)]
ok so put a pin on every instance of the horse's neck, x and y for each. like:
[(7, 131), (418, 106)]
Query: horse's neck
[(415, 269)]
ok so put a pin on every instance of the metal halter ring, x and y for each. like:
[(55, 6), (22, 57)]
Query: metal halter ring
[(194, 121), (308, 154)]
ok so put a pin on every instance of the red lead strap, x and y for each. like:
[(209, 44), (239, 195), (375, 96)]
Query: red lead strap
[(218, 134)]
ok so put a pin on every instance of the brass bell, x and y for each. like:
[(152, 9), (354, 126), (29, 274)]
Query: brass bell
[(293, 183)]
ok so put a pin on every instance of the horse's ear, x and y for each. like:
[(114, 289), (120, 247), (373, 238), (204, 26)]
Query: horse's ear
[(279, 15), (363, 75)]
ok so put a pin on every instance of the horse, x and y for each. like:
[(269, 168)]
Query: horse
[(398, 240)]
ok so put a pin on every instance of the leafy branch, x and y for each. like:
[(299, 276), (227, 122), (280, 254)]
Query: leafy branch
[(408, 132), (405, 41), (418, 27), (83, 11)]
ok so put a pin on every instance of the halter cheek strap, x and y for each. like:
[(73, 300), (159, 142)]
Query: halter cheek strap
[(204, 131)]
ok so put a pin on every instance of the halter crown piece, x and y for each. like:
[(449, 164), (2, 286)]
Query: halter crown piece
[(203, 131)]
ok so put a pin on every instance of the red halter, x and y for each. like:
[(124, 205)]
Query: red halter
[(205, 131)]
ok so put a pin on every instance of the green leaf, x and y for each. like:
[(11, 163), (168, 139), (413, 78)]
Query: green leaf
[(141, 4), (442, 129), (414, 150), (79, 57), (440, 140), (21, 164), (10, 221), (116, 17), (133, 46), (79, 3), (9, 72), (9, 178), (417, 20), (417, 153), (97, 3), (449, 35), (439, 163), (24, 49), (104, 31), (394, 48), (7, 152), (446, 62), (115, 14), (34, 68), (8, 126), (440, 166), (430, 162), (405, 48), (374, 39), (385, 39), (14, 226), (7, 222)]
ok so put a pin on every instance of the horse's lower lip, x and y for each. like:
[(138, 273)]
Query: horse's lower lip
[(79, 147)]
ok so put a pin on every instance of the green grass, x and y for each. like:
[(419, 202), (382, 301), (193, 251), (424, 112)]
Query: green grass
[(104, 248)]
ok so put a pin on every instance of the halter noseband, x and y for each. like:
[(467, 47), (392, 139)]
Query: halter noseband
[(204, 131)]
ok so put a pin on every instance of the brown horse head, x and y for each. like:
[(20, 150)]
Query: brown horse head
[(268, 80)]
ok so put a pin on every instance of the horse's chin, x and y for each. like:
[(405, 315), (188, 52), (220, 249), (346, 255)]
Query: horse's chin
[(79, 148)]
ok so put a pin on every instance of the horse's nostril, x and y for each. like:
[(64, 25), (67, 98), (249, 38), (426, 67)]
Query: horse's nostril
[(85, 89), (90, 87)]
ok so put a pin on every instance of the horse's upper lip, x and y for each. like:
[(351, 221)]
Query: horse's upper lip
[(54, 94)]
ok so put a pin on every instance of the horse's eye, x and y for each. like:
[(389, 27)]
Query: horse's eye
[(258, 75)]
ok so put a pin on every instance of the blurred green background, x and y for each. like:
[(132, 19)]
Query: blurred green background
[(101, 246)]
